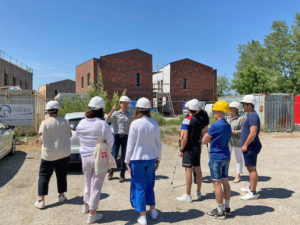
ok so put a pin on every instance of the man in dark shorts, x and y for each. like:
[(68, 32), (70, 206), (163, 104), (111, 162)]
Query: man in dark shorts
[(190, 149), (251, 145)]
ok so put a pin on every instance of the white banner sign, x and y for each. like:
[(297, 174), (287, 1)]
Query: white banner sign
[(16, 114)]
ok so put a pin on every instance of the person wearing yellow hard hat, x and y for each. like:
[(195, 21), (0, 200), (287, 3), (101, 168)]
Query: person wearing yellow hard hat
[(218, 135)]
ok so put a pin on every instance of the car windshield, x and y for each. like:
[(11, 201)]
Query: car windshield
[(74, 122)]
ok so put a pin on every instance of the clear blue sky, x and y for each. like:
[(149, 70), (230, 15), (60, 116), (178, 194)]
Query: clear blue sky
[(53, 36)]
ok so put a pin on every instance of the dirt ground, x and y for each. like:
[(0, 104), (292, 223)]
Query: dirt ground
[(278, 189)]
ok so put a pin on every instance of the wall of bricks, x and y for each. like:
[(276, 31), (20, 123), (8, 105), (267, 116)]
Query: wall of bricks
[(120, 71), (200, 82), (12, 75), (82, 71), (51, 90)]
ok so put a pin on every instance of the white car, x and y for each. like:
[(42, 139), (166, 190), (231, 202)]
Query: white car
[(74, 119), (7, 140)]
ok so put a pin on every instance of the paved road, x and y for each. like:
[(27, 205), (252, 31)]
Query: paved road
[(278, 203)]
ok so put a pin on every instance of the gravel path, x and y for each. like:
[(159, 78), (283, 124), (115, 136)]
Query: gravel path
[(278, 168)]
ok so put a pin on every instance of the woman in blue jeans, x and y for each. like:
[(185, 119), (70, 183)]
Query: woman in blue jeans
[(143, 155)]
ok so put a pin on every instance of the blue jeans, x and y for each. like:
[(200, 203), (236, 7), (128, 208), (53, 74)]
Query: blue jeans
[(120, 141), (218, 168), (142, 184)]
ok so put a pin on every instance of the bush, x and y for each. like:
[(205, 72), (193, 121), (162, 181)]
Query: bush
[(159, 118)]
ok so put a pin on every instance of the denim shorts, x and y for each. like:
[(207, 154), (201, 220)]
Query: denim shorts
[(219, 168)]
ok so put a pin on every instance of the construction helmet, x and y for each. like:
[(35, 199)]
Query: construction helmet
[(249, 99), (124, 99), (143, 104), (222, 106), (236, 105), (96, 103), (193, 105), (52, 105)]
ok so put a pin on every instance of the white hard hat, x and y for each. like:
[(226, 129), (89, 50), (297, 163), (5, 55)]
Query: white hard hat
[(143, 103), (193, 105), (96, 103), (52, 105), (249, 99), (236, 105), (124, 99)]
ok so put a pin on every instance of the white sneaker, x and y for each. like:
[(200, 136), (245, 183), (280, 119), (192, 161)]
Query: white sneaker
[(62, 198), (142, 220), (85, 209), (249, 196), (40, 204), (198, 194), (154, 214), (245, 189), (185, 198), (94, 218)]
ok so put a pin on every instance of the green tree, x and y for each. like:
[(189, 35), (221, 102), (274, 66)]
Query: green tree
[(223, 86), (275, 62)]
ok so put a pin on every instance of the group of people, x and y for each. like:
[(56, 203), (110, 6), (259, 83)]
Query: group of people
[(140, 142), (138, 136), (237, 133)]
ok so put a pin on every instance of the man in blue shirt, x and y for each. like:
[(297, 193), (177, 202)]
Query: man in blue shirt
[(218, 135), (251, 145)]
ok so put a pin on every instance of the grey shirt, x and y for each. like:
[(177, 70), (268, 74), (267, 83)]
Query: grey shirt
[(236, 124), (121, 122)]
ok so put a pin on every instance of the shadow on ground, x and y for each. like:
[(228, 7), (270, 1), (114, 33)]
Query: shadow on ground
[(280, 193), (10, 165), (207, 179), (251, 210), (78, 200), (211, 195), (129, 216)]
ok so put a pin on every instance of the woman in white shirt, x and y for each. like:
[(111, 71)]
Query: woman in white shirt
[(87, 132), (143, 155)]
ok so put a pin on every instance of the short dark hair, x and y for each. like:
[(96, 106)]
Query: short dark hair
[(52, 112), (89, 113)]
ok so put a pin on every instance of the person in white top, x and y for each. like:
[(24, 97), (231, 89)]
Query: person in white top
[(87, 131), (142, 159), (55, 135)]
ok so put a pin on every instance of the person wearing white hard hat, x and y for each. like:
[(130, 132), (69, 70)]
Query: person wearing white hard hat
[(236, 123), (55, 135), (89, 129), (190, 148), (120, 120), (251, 145), (142, 159)]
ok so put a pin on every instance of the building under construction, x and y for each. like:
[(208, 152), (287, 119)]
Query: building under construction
[(14, 73), (181, 81)]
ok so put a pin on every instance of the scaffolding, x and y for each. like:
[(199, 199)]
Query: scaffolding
[(162, 101)]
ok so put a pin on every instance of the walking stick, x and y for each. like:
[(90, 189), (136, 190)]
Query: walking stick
[(175, 167)]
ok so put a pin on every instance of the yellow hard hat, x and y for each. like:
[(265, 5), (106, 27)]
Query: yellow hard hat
[(222, 106)]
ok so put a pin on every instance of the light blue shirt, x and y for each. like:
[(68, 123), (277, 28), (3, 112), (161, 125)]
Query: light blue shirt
[(144, 142)]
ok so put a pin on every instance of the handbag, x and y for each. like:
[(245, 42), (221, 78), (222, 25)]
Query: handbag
[(102, 155)]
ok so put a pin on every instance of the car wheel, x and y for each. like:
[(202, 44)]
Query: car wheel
[(13, 147)]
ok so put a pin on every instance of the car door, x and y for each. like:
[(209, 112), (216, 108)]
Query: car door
[(3, 141)]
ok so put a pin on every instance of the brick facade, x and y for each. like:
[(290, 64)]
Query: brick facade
[(12, 75), (200, 82), (119, 72), (49, 91)]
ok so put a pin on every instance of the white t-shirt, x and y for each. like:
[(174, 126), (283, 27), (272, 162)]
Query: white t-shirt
[(87, 132), (56, 138)]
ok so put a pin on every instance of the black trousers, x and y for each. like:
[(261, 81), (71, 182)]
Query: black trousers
[(46, 169)]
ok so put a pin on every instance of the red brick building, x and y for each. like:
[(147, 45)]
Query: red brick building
[(187, 79), (130, 70)]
